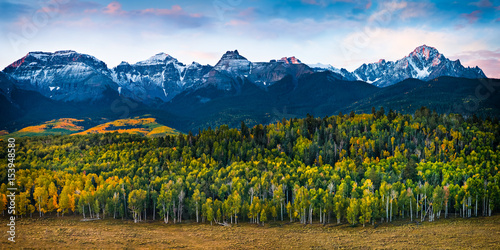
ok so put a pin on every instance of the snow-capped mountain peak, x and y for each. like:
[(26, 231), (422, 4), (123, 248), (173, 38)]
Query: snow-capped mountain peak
[(58, 57), (318, 67), (233, 63), (424, 62), (159, 58), (425, 52), (56, 74)]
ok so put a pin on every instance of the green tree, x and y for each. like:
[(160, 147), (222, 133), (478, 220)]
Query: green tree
[(263, 217), (353, 211), (136, 203)]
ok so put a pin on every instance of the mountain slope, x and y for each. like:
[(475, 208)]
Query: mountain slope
[(444, 94), (317, 94), (146, 126)]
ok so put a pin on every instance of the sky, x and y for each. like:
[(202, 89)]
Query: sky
[(343, 33)]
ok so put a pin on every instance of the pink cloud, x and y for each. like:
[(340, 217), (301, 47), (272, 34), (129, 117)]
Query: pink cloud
[(487, 60), (473, 16), (114, 8), (176, 10), (490, 67), (368, 5)]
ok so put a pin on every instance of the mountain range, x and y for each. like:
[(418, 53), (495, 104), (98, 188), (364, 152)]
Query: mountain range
[(43, 86)]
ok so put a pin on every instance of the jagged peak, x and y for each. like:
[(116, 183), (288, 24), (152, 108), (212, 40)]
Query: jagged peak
[(123, 63), (59, 52), (424, 51), (290, 60), (232, 55), (194, 64)]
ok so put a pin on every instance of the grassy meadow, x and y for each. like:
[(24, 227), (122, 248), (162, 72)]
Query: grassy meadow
[(70, 232)]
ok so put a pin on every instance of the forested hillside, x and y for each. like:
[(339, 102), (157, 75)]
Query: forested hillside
[(356, 169)]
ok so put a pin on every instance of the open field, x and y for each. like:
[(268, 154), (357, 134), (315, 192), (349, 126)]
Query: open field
[(70, 232)]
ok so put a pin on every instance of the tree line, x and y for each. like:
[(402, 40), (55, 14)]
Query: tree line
[(355, 168)]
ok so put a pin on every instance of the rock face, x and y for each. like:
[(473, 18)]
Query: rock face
[(63, 75), (424, 63)]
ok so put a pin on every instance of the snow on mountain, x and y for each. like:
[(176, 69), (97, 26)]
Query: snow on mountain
[(346, 75), (71, 76), (424, 63), (159, 77), (233, 63), (81, 76)]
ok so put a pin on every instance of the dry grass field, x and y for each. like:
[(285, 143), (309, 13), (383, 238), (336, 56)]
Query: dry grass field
[(70, 232)]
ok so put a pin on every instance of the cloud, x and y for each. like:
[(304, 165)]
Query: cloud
[(85, 22), (365, 4), (482, 4), (417, 9), (175, 15), (402, 10), (114, 8), (51, 8), (175, 10), (368, 5), (306, 28), (473, 16), (68, 7), (248, 14)]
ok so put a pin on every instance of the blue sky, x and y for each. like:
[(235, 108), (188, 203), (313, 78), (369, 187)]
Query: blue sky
[(343, 33)]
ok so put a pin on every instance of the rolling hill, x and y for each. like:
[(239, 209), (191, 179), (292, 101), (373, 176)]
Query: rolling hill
[(146, 126)]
